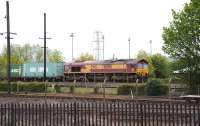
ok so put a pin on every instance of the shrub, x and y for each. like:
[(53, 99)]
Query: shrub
[(32, 87), (155, 87), (96, 90), (72, 87), (4, 86), (57, 88), (126, 89), (23, 87)]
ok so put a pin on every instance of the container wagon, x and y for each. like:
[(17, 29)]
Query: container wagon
[(35, 71)]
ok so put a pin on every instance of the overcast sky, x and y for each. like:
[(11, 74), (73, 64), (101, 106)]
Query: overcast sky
[(141, 20)]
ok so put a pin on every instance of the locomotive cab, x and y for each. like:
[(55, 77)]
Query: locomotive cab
[(142, 70)]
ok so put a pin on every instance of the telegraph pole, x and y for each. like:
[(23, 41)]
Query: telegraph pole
[(8, 47), (45, 47), (8, 33), (129, 48), (72, 36), (45, 53)]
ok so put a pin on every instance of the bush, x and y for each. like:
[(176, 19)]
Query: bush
[(57, 88), (126, 89), (155, 87), (23, 87), (4, 86), (96, 90), (71, 88), (31, 87)]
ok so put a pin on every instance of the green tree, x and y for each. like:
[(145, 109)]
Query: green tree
[(143, 55), (177, 65), (20, 54), (2, 66), (85, 57), (182, 41), (161, 66), (31, 53), (55, 56), (39, 55)]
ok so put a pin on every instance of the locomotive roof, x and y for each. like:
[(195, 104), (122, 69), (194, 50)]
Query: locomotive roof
[(119, 61)]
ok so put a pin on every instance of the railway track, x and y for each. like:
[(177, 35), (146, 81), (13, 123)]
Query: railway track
[(93, 98)]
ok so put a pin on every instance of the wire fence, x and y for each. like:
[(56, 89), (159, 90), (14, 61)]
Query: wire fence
[(100, 114)]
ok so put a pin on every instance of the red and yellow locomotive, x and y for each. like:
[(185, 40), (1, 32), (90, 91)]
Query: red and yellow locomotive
[(129, 70)]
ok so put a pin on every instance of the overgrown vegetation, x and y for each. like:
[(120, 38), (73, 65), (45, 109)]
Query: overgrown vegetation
[(153, 87), (23, 87), (71, 88), (156, 87), (136, 89), (57, 88)]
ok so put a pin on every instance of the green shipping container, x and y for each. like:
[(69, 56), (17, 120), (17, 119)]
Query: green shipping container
[(37, 69), (16, 70)]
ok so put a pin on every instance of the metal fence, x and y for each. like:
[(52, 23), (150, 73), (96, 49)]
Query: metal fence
[(100, 114)]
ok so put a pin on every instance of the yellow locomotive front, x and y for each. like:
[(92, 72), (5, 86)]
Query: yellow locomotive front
[(142, 68)]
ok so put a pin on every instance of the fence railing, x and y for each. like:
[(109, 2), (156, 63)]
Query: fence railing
[(100, 114)]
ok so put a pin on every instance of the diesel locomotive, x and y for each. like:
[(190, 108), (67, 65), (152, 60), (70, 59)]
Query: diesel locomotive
[(130, 70)]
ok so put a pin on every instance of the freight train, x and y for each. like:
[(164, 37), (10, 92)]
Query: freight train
[(131, 70)]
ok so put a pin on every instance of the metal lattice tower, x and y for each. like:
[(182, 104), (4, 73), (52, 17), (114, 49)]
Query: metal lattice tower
[(99, 45)]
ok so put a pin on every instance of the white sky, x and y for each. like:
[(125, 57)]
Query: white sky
[(141, 20)]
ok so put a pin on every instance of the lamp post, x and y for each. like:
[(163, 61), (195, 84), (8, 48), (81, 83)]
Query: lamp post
[(72, 36), (150, 43), (129, 48), (103, 45)]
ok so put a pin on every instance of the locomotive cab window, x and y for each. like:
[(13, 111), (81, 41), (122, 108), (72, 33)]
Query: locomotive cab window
[(145, 65), (76, 69), (139, 65), (142, 65)]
